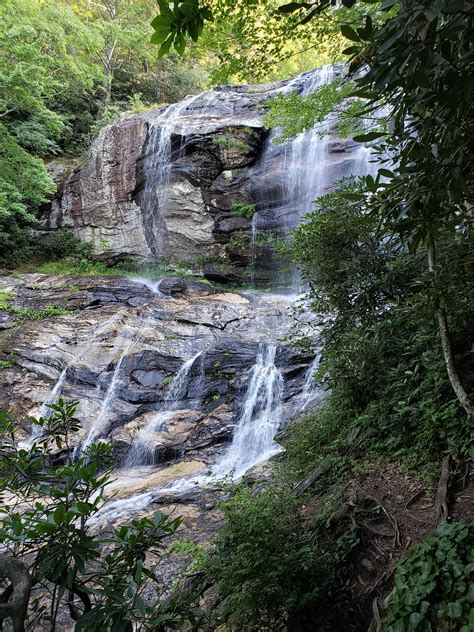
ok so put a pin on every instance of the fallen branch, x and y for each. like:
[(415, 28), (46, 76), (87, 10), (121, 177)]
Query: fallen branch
[(441, 502), (311, 478)]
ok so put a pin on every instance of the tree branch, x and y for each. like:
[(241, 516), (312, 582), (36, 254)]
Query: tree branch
[(456, 383), (15, 608)]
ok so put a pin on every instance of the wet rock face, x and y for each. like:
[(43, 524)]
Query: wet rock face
[(219, 155), (119, 351)]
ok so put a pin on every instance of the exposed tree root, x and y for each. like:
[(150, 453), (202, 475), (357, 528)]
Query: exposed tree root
[(376, 625), (396, 532), (441, 500), (414, 498)]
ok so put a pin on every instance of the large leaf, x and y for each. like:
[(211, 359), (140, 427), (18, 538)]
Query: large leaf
[(365, 138), (349, 33), (294, 6)]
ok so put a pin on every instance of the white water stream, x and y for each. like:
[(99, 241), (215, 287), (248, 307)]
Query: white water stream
[(253, 440), (158, 170), (80, 354), (311, 392), (142, 449)]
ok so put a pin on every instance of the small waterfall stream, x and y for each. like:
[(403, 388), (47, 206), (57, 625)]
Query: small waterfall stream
[(260, 419), (253, 440), (306, 156), (81, 353), (97, 426), (141, 452), (158, 171), (311, 391)]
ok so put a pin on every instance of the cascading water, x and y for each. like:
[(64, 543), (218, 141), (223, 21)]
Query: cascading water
[(154, 285), (110, 395), (100, 422), (306, 156), (260, 419), (45, 411), (141, 452), (158, 171), (253, 440), (309, 168), (311, 391)]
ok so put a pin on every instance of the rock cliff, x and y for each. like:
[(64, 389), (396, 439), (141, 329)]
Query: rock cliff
[(169, 183)]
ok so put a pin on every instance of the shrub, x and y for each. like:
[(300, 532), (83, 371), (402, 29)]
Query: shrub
[(52, 539), (242, 209), (271, 568), (433, 586)]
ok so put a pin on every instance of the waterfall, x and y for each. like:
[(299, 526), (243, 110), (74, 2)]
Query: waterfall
[(97, 426), (301, 169), (154, 286), (141, 453), (253, 440), (45, 411), (100, 421), (158, 171), (306, 156), (260, 419)]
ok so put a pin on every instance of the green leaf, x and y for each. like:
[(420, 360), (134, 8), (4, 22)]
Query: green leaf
[(180, 44), (454, 610), (351, 50), (364, 138), (161, 21), (16, 525), (165, 9), (294, 6), (349, 33), (60, 513), (166, 46), (386, 173)]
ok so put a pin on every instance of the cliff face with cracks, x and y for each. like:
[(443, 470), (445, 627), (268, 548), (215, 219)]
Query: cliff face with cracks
[(200, 157), (124, 343)]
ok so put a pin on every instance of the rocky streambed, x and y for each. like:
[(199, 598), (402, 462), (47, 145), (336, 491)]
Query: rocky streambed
[(189, 382)]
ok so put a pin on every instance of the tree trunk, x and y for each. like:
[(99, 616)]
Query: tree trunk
[(456, 383)]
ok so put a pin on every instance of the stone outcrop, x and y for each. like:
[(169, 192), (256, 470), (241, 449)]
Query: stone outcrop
[(218, 155), (123, 335), (118, 348)]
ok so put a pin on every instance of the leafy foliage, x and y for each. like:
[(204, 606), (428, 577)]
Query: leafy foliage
[(271, 568), (241, 209), (248, 39), (432, 585), (51, 526), (382, 358), (66, 70)]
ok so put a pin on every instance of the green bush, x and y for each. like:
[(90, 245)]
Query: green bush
[(382, 355), (272, 569), (241, 209), (99, 579), (65, 244), (434, 585)]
